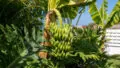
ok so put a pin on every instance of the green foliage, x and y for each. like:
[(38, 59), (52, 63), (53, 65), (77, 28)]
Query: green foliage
[(69, 12), (69, 46), (22, 11), (113, 62), (114, 17), (11, 45), (21, 34), (67, 8), (103, 10), (19, 46), (101, 18), (98, 16), (90, 36)]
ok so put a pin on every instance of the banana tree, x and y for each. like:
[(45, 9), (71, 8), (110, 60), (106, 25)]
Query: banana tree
[(102, 19), (58, 10)]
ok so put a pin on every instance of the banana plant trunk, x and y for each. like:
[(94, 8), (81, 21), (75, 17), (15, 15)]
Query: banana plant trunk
[(50, 18)]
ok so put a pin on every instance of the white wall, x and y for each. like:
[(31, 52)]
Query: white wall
[(113, 45)]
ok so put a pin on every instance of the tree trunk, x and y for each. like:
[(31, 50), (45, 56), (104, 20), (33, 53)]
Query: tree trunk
[(50, 17)]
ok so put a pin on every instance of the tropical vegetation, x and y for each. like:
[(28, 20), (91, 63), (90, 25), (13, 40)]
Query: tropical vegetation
[(39, 34)]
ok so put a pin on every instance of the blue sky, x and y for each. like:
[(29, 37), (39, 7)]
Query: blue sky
[(86, 19)]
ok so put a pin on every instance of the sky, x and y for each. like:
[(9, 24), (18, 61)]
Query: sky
[(86, 19)]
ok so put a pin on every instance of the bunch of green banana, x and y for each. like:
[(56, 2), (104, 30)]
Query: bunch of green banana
[(61, 37)]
